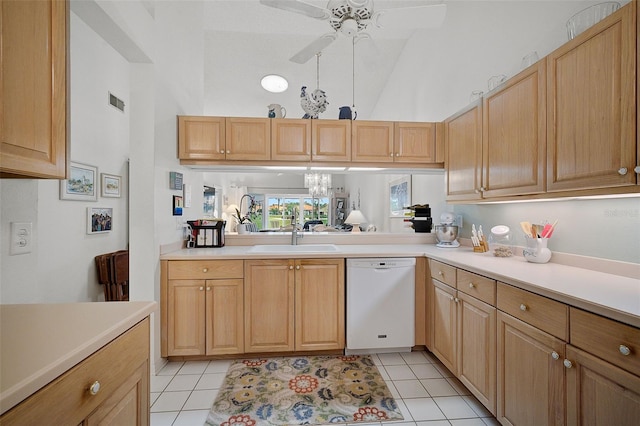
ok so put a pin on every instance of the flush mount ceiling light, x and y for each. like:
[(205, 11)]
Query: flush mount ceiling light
[(274, 83)]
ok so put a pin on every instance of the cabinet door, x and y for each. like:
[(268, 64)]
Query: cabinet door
[(33, 90), (445, 325), (463, 153), (477, 349), (514, 135), (290, 139), (186, 317), (372, 141), (414, 142), (530, 375), (225, 317), (591, 116), (319, 304), (248, 139), (599, 393), (201, 138), (331, 140), (269, 305)]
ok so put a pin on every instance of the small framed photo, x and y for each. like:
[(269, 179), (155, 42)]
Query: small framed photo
[(110, 185), (340, 204), (82, 184), (399, 196), (177, 205), (99, 220)]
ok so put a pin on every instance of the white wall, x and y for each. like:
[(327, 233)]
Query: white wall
[(61, 267)]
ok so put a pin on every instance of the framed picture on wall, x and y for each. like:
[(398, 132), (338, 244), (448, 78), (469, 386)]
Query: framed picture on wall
[(110, 185), (399, 196), (82, 184), (99, 220)]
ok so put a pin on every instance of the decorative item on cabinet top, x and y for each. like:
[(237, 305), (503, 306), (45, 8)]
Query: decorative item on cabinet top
[(206, 233)]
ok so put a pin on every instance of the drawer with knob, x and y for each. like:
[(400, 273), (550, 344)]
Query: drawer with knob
[(443, 272), (475, 285), (610, 340), (204, 269), (546, 314)]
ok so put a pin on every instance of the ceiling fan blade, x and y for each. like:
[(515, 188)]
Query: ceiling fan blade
[(297, 6), (313, 48), (431, 16)]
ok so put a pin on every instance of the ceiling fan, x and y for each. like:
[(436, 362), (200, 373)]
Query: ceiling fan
[(352, 17)]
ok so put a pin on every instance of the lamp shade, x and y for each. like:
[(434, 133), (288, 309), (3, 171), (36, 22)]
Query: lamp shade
[(355, 218)]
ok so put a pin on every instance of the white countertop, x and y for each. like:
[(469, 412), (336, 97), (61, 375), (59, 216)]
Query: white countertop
[(614, 296), (39, 342)]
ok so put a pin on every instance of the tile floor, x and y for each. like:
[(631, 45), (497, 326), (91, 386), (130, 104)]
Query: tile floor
[(427, 393)]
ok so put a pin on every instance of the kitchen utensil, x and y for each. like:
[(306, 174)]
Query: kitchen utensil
[(537, 251), (526, 228), (548, 230), (277, 111), (446, 235)]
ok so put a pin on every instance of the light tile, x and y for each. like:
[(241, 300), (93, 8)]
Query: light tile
[(438, 387), (152, 397), (391, 359), (219, 366), (434, 423), (491, 421), (383, 373), (159, 383), (163, 419), (454, 407), (443, 370), (170, 401), (170, 368), (424, 409), (211, 381), (477, 406), (458, 386), (468, 422), (431, 357), (183, 383), (414, 358), (410, 389), (191, 418), (399, 372), (426, 371), (194, 367), (393, 390), (404, 410), (200, 400)]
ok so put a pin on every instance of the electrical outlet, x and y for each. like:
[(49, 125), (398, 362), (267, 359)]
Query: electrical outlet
[(459, 221), (21, 237)]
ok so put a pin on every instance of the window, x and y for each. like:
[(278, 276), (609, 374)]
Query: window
[(281, 209)]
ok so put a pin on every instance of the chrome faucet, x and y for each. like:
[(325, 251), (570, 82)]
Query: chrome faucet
[(295, 235)]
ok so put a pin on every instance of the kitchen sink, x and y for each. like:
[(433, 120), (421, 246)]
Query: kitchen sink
[(289, 248)]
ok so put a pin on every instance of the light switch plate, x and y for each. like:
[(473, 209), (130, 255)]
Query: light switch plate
[(21, 237)]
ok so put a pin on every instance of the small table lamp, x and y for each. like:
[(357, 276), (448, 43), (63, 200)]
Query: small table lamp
[(355, 218)]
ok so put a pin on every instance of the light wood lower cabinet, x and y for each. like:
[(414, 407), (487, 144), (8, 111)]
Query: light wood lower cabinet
[(294, 305), (445, 325), (122, 370)]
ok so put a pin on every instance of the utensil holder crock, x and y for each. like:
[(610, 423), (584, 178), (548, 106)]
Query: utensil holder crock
[(537, 251)]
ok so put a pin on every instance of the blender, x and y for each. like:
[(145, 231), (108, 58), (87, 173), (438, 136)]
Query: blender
[(447, 232)]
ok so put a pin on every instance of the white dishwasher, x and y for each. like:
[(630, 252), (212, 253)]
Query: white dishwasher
[(380, 305)]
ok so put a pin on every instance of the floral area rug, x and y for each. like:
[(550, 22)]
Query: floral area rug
[(313, 390)]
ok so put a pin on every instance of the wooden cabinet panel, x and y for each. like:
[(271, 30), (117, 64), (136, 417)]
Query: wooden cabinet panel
[(599, 393), (186, 317), (531, 380), (331, 140), (290, 139), (205, 269), (201, 138), (514, 135), (248, 138), (463, 152), (477, 349), (591, 114), (372, 141), (541, 312), (445, 325), (33, 90), (475, 285), (443, 272), (224, 317), (414, 142), (320, 305), (269, 305)]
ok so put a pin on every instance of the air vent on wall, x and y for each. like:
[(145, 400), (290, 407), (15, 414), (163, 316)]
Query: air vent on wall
[(116, 102)]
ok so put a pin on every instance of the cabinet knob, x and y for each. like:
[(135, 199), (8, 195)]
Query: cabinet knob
[(482, 188), (94, 388), (222, 151), (228, 152), (205, 270), (477, 191), (567, 363), (523, 307), (397, 154), (441, 273), (455, 299), (391, 155), (637, 169), (290, 267), (208, 288), (201, 288), (624, 350), (297, 266), (622, 171), (555, 355), (472, 285)]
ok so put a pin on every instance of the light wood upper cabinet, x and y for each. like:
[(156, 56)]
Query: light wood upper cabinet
[(463, 152), (372, 141), (201, 138), (514, 135), (248, 138), (591, 114), (290, 139), (33, 90), (331, 140), (414, 142)]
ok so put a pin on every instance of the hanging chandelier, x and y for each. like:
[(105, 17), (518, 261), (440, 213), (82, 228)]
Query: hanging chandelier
[(319, 184)]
